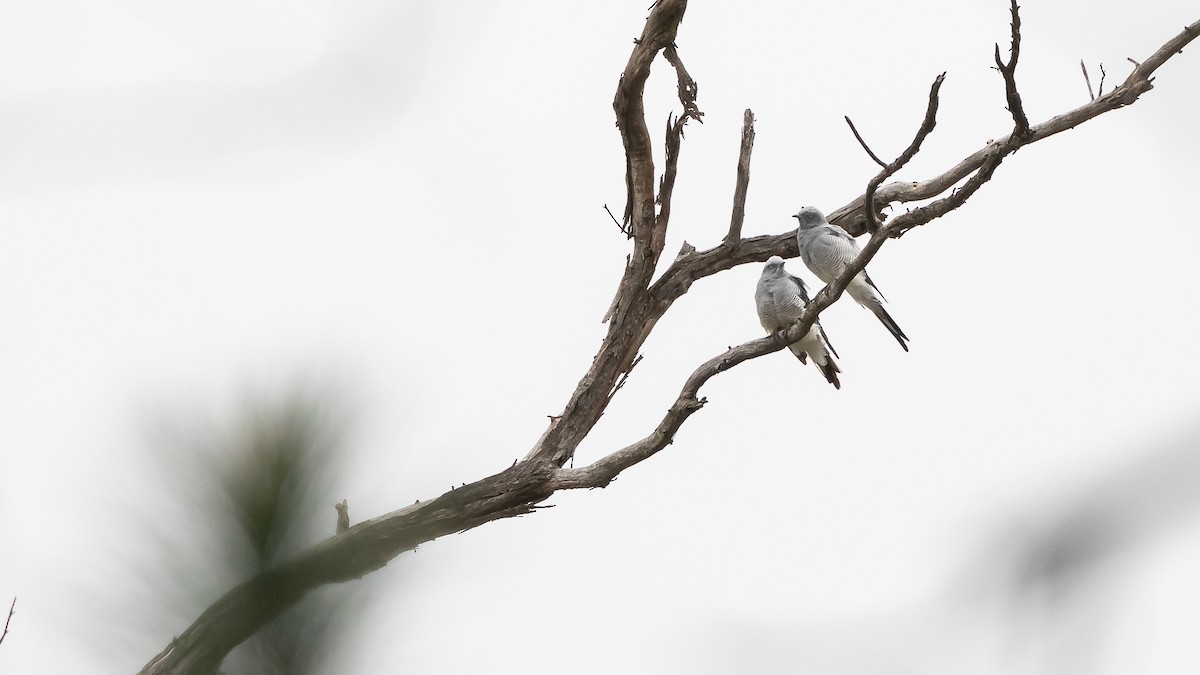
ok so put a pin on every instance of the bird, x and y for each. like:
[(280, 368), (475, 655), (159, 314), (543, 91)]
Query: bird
[(826, 249), (780, 299)]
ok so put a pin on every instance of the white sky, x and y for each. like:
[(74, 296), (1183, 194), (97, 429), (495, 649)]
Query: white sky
[(200, 198)]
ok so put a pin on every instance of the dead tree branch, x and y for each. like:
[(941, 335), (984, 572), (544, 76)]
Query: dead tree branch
[(858, 137), (633, 312), (911, 151), (743, 180), (1138, 82), (636, 308), (603, 471), (11, 609), (356, 552), (624, 230), (1009, 71)]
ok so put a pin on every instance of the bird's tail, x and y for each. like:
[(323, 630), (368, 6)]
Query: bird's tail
[(889, 323), (799, 352), (829, 369), (821, 359), (868, 295), (825, 363)]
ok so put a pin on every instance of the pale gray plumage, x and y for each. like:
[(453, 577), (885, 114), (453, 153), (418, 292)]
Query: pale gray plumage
[(826, 249), (781, 298)]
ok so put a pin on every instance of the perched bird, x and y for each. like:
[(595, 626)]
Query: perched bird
[(827, 249), (780, 298)]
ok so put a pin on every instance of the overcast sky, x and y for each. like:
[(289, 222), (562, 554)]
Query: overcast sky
[(197, 200)]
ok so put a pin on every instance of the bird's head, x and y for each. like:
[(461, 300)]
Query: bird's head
[(774, 265), (809, 216)]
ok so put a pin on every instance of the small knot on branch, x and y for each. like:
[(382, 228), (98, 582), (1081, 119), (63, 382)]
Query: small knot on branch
[(343, 517)]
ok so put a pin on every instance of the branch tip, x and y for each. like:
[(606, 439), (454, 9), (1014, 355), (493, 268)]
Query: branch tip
[(870, 210), (11, 610), (742, 184), (863, 143), (1009, 72)]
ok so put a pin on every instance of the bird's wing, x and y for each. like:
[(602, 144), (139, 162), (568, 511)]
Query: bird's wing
[(802, 288), (838, 242), (867, 278)]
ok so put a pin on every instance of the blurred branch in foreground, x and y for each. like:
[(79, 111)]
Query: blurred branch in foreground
[(254, 496), (1053, 580)]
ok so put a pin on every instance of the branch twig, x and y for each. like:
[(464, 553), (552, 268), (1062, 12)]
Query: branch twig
[(1138, 82), (1087, 79), (518, 490), (631, 314), (743, 180), (927, 125), (688, 89), (863, 143), (616, 222), (624, 377), (1009, 71), (11, 610)]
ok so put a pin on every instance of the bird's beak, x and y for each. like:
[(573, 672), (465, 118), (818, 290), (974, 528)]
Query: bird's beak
[(796, 216)]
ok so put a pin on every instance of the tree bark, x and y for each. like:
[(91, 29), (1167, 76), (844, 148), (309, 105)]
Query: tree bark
[(639, 302)]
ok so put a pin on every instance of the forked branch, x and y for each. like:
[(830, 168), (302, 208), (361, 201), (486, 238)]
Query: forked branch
[(889, 170), (1009, 71), (1138, 82), (638, 305)]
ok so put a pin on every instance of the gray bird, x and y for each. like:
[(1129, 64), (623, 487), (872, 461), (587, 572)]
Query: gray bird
[(827, 249), (780, 298)]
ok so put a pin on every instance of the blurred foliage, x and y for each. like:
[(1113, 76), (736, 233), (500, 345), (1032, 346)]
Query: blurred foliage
[(248, 496)]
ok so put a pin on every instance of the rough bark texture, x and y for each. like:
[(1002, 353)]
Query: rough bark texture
[(637, 305)]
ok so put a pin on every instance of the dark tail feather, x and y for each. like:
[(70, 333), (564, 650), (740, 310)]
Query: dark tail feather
[(803, 356), (830, 370), (826, 339), (891, 325)]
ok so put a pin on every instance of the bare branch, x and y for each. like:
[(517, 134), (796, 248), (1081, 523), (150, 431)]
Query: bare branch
[(666, 186), (1009, 71), (659, 33), (851, 218), (11, 609), (863, 143), (927, 125), (1087, 79), (621, 382), (604, 470), (625, 231), (637, 306), (343, 517), (743, 180), (688, 89), (632, 314), (360, 550), (1102, 76)]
